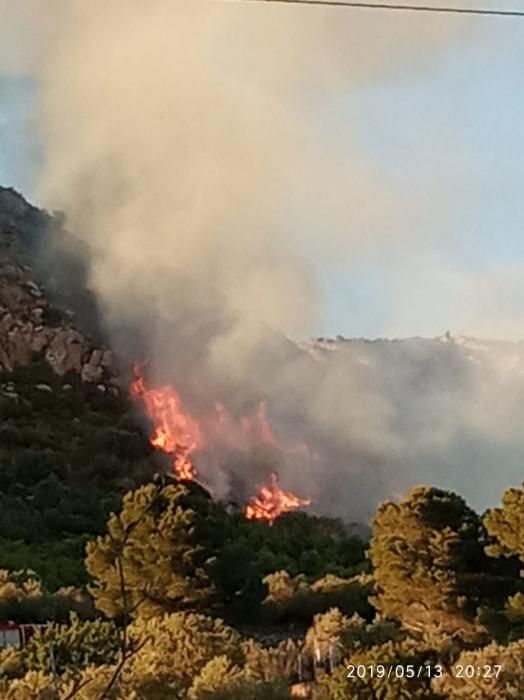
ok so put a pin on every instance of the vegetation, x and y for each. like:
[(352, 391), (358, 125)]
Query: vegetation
[(149, 590), (68, 452), (150, 547), (431, 570)]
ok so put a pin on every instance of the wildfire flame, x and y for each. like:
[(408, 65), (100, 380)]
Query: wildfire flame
[(272, 501), (176, 433), (179, 435)]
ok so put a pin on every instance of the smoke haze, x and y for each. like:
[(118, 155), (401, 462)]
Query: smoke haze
[(179, 144), (186, 144)]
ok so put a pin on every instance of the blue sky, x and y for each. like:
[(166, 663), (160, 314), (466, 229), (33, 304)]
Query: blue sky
[(453, 129), (20, 156)]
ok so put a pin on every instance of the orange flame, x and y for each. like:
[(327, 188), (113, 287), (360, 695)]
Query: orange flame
[(176, 433), (179, 435), (272, 501)]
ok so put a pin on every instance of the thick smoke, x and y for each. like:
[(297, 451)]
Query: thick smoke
[(187, 143), (182, 143)]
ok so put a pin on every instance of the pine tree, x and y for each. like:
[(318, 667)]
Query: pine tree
[(68, 648), (219, 674), (404, 658), (491, 673), (506, 526), (175, 649), (35, 685), (427, 553), (149, 562), (266, 664)]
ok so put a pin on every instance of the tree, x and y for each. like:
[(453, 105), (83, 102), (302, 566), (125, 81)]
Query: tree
[(506, 526), (244, 552), (176, 648), (429, 564), (352, 634), (490, 673), (149, 561), (18, 585), (71, 647), (266, 664), (21, 596), (282, 587), (169, 656), (89, 684), (324, 637), (250, 690), (294, 599), (35, 685), (11, 663), (219, 674), (406, 657)]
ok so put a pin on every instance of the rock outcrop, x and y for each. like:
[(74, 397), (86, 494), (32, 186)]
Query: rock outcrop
[(32, 326)]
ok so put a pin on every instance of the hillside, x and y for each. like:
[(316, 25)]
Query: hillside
[(69, 441), (445, 410), (128, 570), (378, 416), (423, 405)]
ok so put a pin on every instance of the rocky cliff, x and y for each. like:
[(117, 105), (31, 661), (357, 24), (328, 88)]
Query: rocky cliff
[(46, 310)]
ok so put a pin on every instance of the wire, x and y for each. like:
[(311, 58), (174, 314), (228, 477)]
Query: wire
[(395, 6)]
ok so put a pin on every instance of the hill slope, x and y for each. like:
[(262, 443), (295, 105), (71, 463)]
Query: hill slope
[(69, 442)]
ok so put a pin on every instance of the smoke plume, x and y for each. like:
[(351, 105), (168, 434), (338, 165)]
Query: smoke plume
[(187, 144)]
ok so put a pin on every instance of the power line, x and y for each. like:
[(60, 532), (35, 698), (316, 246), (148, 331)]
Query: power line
[(395, 6)]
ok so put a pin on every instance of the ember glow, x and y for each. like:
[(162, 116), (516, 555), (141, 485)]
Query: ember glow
[(179, 435), (272, 501)]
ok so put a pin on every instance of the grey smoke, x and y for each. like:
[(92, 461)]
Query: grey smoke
[(185, 144)]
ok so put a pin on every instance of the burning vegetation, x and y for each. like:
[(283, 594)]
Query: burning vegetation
[(272, 501), (180, 436), (176, 433)]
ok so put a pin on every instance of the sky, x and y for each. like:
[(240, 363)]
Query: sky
[(466, 276), (447, 137), (20, 153)]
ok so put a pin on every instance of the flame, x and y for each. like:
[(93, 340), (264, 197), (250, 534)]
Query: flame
[(179, 435), (176, 433), (272, 501)]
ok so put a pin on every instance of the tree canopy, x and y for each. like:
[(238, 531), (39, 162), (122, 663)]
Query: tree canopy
[(428, 560), (149, 563)]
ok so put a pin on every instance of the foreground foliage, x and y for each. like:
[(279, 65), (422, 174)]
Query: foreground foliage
[(181, 598)]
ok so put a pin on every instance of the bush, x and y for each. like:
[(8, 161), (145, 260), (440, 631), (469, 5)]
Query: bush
[(294, 599), (72, 646)]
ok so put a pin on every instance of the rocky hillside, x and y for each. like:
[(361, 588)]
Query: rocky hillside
[(41, 305), (70, 444), (379, 415)]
